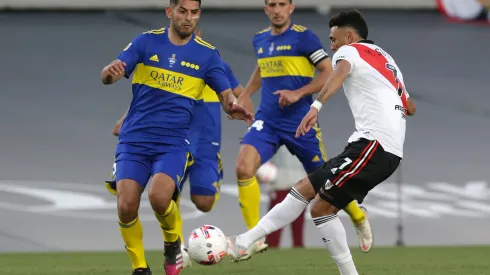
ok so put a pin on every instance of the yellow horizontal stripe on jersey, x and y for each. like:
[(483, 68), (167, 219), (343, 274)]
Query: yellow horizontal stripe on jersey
[(169, 81), (286, 66), (209, 95)]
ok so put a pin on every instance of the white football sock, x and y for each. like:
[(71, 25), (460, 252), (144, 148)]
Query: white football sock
[(278, 217), (335, 240)]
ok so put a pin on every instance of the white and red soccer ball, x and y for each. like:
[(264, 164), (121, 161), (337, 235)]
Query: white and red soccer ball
[(207, 245), (267, 172)]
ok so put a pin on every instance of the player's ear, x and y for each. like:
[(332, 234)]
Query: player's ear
[(168, 12), (350, 37), (291, 8)]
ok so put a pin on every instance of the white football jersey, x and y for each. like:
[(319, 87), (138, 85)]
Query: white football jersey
[(376, 94)]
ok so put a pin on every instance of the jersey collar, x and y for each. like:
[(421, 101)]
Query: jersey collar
[(366, 41)]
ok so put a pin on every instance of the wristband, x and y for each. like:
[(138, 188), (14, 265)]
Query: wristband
[(317, 105)]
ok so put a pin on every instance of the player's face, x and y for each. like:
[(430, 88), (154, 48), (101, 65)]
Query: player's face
[(184, 17), (340, 37), (279, 12)]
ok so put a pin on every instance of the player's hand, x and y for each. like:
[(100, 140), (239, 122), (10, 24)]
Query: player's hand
[(308, 121), (287, 97), (116, 68), (236, 111), (117, 127)]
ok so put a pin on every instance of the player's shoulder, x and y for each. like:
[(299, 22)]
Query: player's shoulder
[(264, 31), (149, 34), (346, 49), (154, 32), (204, 45), (299, 28), (302, 31), (226, 66), (262, 34)]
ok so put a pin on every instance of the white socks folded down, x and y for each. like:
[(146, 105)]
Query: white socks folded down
[(286, 212)]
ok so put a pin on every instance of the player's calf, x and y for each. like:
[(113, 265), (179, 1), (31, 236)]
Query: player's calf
[(166, 211), (128, 200), (328, 223)]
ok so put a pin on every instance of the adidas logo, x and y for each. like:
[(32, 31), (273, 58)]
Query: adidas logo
[(155, 58)]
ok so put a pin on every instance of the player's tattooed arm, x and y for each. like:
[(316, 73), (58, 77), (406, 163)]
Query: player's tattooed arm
[(334, 81), (325, 69)]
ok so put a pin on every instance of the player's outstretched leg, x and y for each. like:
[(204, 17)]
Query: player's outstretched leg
[(128, 200), (334, 237), (241, 247), (249, 190), (167, 213), (359, 217)]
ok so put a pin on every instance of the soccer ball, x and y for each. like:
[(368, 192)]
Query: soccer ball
[(207, 245), (267, 172)]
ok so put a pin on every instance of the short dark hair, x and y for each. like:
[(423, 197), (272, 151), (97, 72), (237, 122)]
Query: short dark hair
[(176, 2), (290, 1), (353, 19)]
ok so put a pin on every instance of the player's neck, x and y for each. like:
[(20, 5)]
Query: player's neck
[(281, 30), (175, 39)]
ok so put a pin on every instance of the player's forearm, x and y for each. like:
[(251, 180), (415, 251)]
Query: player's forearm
[(227, 99), (238, 91), (333, 84), (315, 85), (254, 83)]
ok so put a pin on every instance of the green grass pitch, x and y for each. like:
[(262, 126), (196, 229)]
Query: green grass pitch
[(380, 261)]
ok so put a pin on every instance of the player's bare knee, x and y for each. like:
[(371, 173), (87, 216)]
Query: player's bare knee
[(245, 171), (248, 162), (203, 203), (128, 200), (305, 188), (160, 193), (127, 210), (321, 208)]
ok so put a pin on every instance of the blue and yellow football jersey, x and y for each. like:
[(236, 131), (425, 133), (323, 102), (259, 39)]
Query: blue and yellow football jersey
[(205, 129), (287, 62), (167, 82)]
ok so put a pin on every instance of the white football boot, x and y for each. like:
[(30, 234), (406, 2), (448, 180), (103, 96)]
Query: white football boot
[(237, 252), (364, 233), (260, 246), (187, 259)]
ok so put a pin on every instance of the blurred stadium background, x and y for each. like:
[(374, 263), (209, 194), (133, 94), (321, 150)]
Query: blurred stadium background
[(56, 117)]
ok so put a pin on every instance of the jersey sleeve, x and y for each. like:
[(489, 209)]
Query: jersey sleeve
[(347, 53), (312, 47), (215, 75), (231, 77), (133, 54)]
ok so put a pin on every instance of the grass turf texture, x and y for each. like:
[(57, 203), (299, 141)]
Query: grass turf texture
[(380, 261)]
